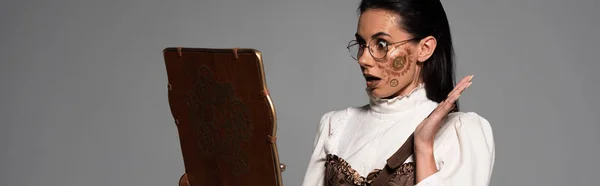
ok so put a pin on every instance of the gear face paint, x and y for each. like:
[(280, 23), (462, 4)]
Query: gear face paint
[(397, 68), (399, 63), (394, 82)]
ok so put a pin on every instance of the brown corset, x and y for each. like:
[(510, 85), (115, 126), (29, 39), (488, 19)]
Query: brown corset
[(396, 173)]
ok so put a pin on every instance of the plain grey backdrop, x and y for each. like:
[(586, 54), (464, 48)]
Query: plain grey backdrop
[(83, 97)]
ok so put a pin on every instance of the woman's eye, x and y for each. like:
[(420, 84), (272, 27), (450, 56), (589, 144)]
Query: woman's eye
[(381, 44)]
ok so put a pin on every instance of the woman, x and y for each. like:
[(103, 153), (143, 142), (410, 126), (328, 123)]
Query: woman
[(404, 50)]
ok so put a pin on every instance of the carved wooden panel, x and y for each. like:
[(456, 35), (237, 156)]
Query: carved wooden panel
[(225, 117)]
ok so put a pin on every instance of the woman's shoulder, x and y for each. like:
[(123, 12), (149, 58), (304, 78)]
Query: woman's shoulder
[(341, 113), (337, 116), (466, 125), (470, 119)]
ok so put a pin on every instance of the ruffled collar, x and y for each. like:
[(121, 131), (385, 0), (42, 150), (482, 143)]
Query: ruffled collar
[(399, 103)]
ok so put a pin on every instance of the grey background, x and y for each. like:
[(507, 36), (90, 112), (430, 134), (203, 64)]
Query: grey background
[(84, 102)]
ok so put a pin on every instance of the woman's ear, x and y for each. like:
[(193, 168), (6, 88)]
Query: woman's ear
[(426, 47)]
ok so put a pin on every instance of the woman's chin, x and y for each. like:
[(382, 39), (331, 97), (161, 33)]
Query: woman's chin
[(375, 93)]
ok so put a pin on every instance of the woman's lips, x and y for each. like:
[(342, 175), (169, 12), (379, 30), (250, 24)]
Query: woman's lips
[(372, 81)]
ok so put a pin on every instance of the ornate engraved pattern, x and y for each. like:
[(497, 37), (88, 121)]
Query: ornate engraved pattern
[(220, 119), (340, 173)]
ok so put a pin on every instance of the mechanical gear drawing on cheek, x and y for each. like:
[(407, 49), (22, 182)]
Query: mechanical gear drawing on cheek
[(407, 62), (394, 82), (397, 68), (399, 63)]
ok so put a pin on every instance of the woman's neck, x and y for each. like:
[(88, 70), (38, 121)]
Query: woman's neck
[(407, 89), (411, 99)]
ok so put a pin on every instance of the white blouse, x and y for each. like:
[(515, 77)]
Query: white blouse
[(367, 136)]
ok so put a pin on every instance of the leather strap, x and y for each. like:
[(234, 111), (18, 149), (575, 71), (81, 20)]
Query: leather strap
[(395, 161), (402, 154)]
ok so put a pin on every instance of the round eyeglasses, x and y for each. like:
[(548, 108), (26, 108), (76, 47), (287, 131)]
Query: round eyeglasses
[(378, 48)]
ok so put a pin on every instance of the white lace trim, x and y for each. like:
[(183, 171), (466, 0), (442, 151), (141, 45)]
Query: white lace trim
[(400, 97)]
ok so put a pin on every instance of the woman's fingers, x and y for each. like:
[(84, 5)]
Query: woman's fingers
[(462, 85), (442, 110), (447, 105)]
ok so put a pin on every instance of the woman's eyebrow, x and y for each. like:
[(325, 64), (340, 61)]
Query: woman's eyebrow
[(358, 37), (380, 34), (376, 35)]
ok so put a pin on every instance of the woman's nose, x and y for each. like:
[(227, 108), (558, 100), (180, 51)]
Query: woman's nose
[(365, 60)]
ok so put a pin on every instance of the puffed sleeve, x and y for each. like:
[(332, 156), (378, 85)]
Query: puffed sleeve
[(464, 152), (315, 172)]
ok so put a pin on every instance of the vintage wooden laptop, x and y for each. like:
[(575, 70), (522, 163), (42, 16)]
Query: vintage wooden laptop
[(225, 117)]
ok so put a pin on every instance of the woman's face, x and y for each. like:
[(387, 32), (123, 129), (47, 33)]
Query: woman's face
[(398, 72)]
